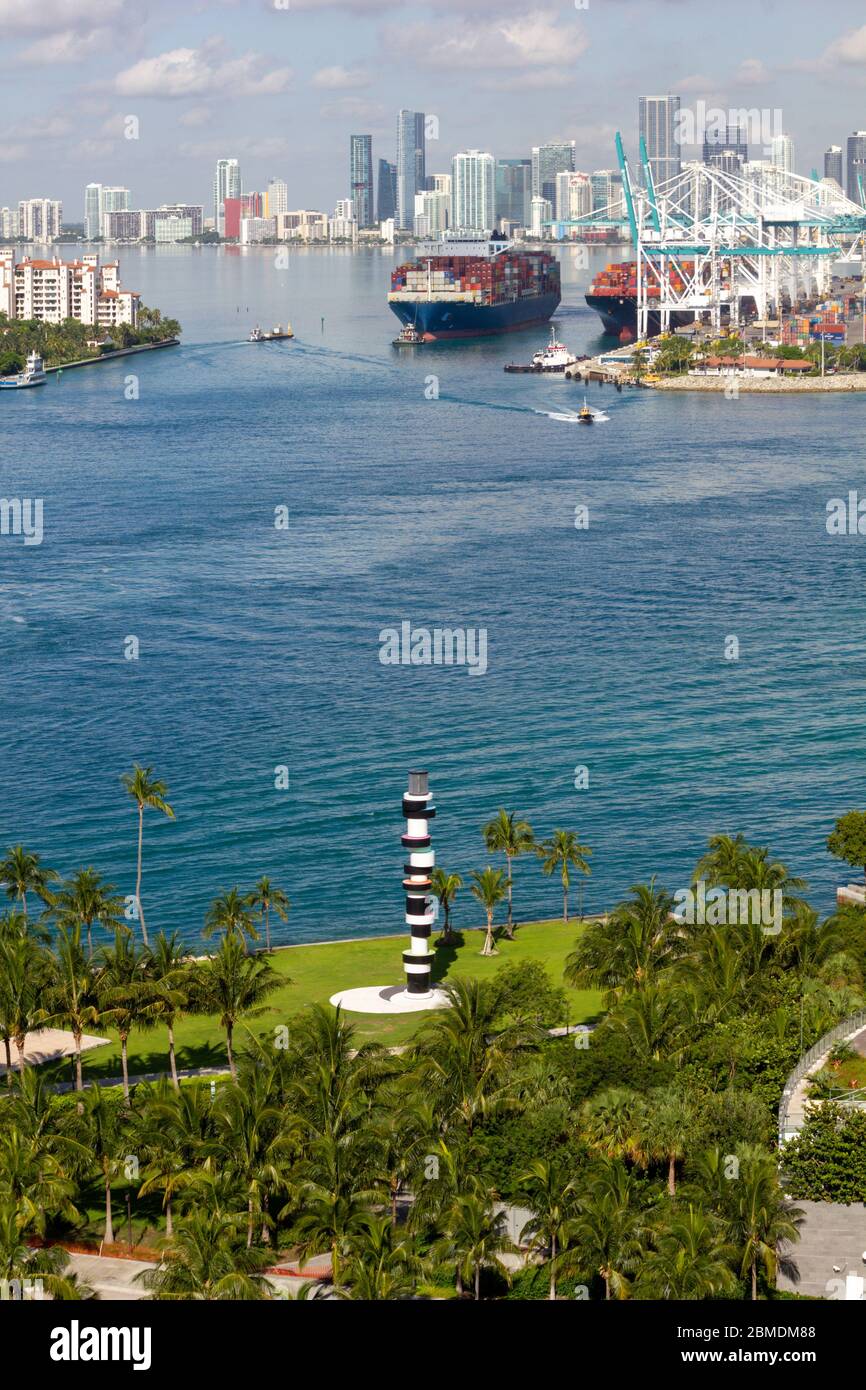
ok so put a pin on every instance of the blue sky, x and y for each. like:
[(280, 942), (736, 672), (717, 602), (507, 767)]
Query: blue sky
[(281, 84)]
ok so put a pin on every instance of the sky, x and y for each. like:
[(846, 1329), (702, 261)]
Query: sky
[(281, 84)]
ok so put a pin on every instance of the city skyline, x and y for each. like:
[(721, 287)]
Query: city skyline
[(283, 90)]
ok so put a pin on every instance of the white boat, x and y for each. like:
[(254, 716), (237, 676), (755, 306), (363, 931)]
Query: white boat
[(33, 375), (555, 357), (276, 334)]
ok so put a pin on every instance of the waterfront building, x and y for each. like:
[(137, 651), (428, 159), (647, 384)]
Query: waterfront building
[(833, 164), (386, 191), (112, 200), (171, 229), (541, 211), (302, 225), (548, 161), (431, 213), (172, 213), (342, 229), (39, 219), (856, 165), (53, 290), (93, 211), (573, 197), (361, 178), (472, 191), (513, 191), (123, 226), (658, 119), (606, 186), (255, 230), (8, 224), (782, 153), (276, 199), (227, 183), (344, 210), (411, 164)]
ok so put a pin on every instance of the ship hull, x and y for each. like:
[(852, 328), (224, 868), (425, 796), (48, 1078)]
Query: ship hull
[(618, 314), (437, 319)]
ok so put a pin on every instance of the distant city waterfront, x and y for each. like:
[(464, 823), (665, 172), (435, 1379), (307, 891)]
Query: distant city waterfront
[(429, 488)]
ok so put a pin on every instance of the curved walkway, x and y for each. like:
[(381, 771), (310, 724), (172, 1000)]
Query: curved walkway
[(795, 1097)]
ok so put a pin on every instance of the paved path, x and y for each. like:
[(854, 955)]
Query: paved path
[(829, 1253), (115, 1280), (800, 1098)]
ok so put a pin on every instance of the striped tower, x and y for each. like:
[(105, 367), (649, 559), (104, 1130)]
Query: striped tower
[(419, 915)]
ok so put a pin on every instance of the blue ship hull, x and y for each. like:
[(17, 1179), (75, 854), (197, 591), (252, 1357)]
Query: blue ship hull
[(437, 319)]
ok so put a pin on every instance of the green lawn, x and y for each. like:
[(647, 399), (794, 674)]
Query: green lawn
[(317, 972)]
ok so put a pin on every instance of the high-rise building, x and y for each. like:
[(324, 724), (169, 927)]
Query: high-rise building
[(573, 197), (833, 164), (547, 162), (39, 219), (276, 199), (540, 212), (386, 191), (658, 118), (726, 149), (439, 183), (856, 165), (361, 178), (472, 191), (8, 224), (226, 184), (113, 200), (431, 213), (513, 190), (93, 211), (411, 164), (606, 185), (782, 153)]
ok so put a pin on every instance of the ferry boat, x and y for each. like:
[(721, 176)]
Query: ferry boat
[(585, 415), (33, 375), (554, 357), (276, 334), (469, 285)]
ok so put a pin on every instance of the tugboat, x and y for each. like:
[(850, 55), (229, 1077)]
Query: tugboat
[(408, 337), (276, 335), (33, 375), (555, 357), (585, 415)]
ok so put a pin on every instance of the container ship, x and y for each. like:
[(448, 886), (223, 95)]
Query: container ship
[(466, 288), (613, 296)]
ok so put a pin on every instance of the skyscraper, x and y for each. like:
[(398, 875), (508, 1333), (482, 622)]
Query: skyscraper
[(386, 191), (92, 211), (606, 187), (411, 164), (361, 178), (833, 164), (513, 190), (276, 198), (726, 149), (657, 125), (856, 165), (573, 197), (472, 191), (782, 153), (226, 184), (547, 162)]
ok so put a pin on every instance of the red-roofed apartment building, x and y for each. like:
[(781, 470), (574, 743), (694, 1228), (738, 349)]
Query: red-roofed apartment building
[(54, 290)]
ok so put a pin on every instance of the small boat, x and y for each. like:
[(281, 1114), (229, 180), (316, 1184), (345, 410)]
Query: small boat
[(585, 415), (276, 334), (408, 336), (555, 357), (33, 375)]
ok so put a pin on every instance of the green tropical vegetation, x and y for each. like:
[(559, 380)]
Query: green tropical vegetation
[(71, 341)]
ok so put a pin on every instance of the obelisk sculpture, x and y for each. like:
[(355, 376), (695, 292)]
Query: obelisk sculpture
[(420, 916)]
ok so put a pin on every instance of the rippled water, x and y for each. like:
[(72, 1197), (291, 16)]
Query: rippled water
[(259, 647)]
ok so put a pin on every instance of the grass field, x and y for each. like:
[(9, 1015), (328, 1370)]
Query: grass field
[(317, 972)]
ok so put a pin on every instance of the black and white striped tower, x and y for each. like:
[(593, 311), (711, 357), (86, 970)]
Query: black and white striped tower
[(420, 860)]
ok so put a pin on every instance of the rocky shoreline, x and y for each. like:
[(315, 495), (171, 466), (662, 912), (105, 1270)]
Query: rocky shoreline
[(843, 381)]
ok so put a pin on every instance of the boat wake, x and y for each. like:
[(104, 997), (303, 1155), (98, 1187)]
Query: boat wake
[(571, 417)]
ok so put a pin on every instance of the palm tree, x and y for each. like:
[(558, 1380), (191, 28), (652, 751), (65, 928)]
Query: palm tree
[(208, 1260), (445, 888), (21, 873), (45, 1267), (473, 1238), (85, 899), (106, 1141), (265, 896), (127, 998), (669, 1126), (230, 913), (170, 971), (249, 1146), (177, 1129), (691, 1260), (608, 1232), (71, 997), (145, 790), (382, 1264), (720, 864), (612, 1122), (758, 1215), (233, 985), (22, 978), (551, 1199), (489, 888), (564, 852), (505, 835), (628, 949)]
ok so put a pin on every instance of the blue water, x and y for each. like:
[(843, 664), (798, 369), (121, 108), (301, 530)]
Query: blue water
[(259, 647)]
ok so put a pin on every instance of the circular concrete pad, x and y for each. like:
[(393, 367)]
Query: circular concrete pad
[(389, 999)]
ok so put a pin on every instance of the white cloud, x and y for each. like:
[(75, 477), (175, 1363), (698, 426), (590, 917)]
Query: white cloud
[(340, 79), (752, 73), (849, 50), (35, 16), (184, 72), (66, 46), (534, 40)]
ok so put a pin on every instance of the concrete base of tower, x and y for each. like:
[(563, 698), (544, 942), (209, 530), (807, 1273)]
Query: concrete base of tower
[(389, 999)]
